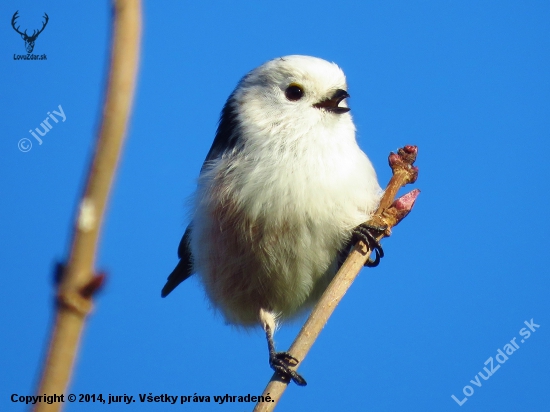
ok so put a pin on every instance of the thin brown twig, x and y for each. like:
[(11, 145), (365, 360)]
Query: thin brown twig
[(78, 282), (388, 214)]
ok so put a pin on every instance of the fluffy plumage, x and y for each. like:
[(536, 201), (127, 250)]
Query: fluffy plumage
[(279, 194)]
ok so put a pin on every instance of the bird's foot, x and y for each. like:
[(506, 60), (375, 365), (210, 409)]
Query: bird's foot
[(281, 362), (368, 233)]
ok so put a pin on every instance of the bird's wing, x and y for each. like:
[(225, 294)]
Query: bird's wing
[(184, 269), (225, 141), (226, 134)]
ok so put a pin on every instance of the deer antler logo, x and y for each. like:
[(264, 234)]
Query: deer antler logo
[(29, 40)]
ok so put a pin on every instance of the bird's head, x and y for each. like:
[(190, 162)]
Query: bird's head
[(291, 96)]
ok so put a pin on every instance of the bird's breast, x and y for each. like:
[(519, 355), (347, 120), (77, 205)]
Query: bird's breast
[(268, 224)]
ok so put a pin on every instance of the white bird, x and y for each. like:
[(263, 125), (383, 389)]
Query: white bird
[(283, 191)]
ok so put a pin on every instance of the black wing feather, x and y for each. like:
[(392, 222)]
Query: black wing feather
[(184, 269), (225, 140), (226, 136)]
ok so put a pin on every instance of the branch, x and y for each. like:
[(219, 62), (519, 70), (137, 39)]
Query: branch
[(388, 214), (77, 283)]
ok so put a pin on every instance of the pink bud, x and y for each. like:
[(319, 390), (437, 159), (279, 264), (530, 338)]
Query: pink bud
[(394, 159), (406, 202), (411, 149)]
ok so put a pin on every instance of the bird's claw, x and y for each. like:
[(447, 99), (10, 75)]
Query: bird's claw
[(368, 233), (287, 358), (281, 362)]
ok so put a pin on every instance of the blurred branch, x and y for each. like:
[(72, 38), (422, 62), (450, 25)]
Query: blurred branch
[(78, 283), (388, 214)]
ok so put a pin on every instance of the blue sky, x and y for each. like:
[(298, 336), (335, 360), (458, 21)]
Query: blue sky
[(466, 81)]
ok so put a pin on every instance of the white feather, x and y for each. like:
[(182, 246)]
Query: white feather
[(270, 216)]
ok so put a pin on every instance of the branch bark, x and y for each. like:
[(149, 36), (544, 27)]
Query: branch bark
[(388, 214), (78, 283)]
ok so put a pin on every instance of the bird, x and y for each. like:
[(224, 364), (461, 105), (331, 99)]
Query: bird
[(282, 195)]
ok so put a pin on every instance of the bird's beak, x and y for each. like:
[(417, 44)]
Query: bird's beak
[(332, 104)]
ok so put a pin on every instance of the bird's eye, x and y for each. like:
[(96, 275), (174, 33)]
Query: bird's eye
[(294, 92)]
